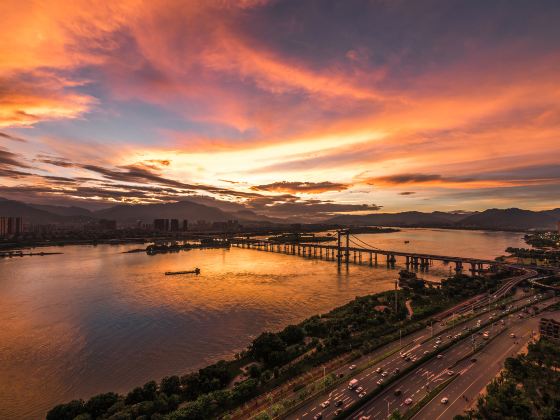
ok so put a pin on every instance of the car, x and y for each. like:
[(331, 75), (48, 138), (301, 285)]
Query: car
[(325, 404), (397, 392), (379, 370), (379, 382), (397, 370), (383, 374), (439, 356), (450, 372), (352, 367), (439, 338), (407, 358), (408, 401), (444, 400), (512, 335), (359, 389), (362, 395), (403, 355), (450, 337), (414, 359), (340, 375), (318, 416), (426, 352), (338, 403), (338, 411), (436, 346), (473, 360)]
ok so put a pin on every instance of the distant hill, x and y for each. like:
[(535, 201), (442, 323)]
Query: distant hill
[(29, 213), (507, 219), (409, 218), (63, 211), (128, 213), (211, 210), (511, 219)]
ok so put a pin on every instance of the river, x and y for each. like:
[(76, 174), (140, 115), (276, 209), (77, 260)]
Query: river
[(95, 319)]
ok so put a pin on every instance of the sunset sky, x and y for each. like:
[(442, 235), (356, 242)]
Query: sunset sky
[(283, 106)]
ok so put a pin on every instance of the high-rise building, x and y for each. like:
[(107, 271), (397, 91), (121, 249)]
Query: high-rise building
[(10, 226), (174, 227), (160, 224)]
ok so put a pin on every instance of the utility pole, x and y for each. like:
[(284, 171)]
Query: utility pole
[(339, 243), (348, 246), (396, 295)]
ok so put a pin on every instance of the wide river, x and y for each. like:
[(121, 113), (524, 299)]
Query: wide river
[(95, 319)]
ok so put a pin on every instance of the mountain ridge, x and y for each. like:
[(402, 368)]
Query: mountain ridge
[(129, 214)]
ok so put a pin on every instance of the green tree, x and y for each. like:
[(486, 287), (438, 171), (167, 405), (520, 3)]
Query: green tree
[(67, 411), (170, 385)]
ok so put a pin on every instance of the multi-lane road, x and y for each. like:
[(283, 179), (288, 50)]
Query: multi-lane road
[(463, 391), (417, 345), (455, 361)]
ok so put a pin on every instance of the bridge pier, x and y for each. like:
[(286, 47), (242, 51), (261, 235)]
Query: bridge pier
[(458, 267)]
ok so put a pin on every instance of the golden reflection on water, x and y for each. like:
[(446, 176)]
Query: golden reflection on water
[(95, 319)]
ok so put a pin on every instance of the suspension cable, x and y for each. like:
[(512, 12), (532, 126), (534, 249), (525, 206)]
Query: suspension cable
[(365, 243)]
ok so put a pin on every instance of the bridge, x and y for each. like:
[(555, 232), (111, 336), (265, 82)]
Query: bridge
[(346, 254)]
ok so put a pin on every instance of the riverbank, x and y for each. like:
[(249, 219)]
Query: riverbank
[(275, 358)]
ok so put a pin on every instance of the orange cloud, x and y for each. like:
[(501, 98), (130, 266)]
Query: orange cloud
[(301, 187)]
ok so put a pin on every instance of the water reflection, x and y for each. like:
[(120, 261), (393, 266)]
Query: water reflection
[(95, 319)]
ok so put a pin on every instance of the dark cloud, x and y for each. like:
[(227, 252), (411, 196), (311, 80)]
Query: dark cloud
[(8, 158), (414, 178), (140, 174), (54, 160), (308, 209), (13, 138), (11, 173), (305, 187)]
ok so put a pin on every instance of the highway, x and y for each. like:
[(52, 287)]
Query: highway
[(422, 380), (473, 381), (417, 345)]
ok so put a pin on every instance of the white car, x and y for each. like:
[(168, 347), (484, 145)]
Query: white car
[(352, 367), (325, 404), (379, 382), (383, 374), (408, 401), (359, 389), (362, 395), (440, 356), (450, 372), (444, 400), (378, 370)]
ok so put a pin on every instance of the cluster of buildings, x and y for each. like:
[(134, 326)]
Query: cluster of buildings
[(170, 225), (175, 225), (10, 226)]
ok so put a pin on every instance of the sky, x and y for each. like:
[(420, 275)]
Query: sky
[(283, 107)]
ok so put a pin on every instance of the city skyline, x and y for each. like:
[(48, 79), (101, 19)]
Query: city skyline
[(330, 107)]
